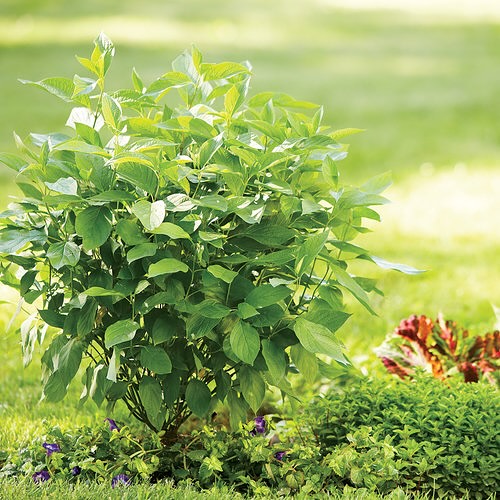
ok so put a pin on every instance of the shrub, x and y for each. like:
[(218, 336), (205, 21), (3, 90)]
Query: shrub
[(420, 436), (190, 242), (442, 349)]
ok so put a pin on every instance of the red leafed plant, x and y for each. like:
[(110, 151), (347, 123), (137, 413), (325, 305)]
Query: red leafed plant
[(441, 348)]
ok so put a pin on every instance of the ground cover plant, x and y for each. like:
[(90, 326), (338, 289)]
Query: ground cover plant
[(191, 247), (419, 436)]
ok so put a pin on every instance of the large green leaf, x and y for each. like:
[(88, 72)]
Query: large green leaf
[(198, 326), (151, 396), (245, 342), (138, 175), (318, 339), (167, 266), (111, 111), (94, 225), (150, 214), (274, 355), (198, 397), (305, 361), (267, 295), (119, 332), (350, 284), (172, 231), (222, 273), (252, 387), (64, 253), (156, 360), (308, 251), (12, 240), (140, 251)]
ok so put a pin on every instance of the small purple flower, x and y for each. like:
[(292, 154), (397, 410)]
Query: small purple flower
[(41, 476), (279, 455), (260, 426), (51, 448), (76, 470), (120, 479), (112, 424)]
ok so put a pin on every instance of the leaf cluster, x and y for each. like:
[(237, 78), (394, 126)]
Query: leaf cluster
[(441, 348)]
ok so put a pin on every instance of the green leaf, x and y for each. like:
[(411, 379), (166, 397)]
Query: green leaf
[(165, 328), (305, 361), (252, 387), (211, 308), (111, 111), (86, 317), (198, 326), (97, 291), (112, 196), (208, 149), (323, 313), (167, 266), (275, 359), (318, 339), (350, 284), (156, 360), (384, 264), (270, 235), (94, 225), (80, 147), (238, 409), (64, 253), (13, 161), (60, 87), (245, 342), (198, 397), (222, 70), (308, 251), (119, 332), (150, 214), (130, 232), (65, 185), (378, 183), (138, 175), (222, 273), (246, 311), (12, 240), (140, 251), (267, 295), (151, 396), (173, 231)]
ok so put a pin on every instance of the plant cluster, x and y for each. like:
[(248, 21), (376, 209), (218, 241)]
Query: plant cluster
[(188, 242), (394, 438), (442, 349), (421, 436)]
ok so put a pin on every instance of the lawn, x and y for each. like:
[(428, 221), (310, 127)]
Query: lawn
[(423, 81)]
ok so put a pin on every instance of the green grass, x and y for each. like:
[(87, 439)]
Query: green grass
[(423, 85)]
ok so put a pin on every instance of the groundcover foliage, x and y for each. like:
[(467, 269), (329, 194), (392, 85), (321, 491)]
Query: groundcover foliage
[(423, 436), (189, 242)]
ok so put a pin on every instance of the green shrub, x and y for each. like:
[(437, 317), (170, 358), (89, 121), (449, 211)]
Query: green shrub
[(190, 242), (422, 436)]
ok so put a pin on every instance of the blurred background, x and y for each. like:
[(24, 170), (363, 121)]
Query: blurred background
[(422, 77)]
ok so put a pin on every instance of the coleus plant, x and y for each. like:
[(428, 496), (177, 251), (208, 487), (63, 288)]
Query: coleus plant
[(442, 349), (188, 244)]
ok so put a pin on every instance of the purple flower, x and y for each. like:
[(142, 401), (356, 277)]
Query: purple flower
[(120, 479), (279, 455), (260, 426), (76, 470), (112, 424), (51, 448), (41, 476)]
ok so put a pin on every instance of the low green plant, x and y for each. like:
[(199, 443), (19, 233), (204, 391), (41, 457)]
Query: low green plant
[(421, 436), (442, 349), (189, 242)]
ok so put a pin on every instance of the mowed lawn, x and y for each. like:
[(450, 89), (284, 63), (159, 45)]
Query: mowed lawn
[(423, 83)]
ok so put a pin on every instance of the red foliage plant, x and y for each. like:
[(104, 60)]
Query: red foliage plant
[(442, 349)]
